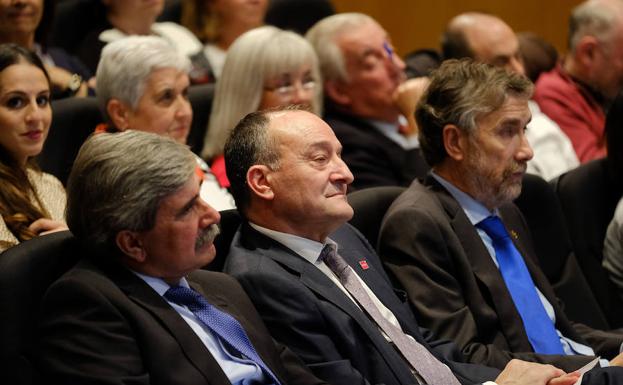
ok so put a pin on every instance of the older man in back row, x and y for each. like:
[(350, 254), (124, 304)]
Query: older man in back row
[(316, 282), (448, 241), (368, 101)]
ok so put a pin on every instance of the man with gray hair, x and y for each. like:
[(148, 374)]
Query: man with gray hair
[(136, 309), (577, 93), (142, 84), (368, 102), (459, 246)]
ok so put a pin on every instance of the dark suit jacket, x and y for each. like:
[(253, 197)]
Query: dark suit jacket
[(431, 248), (373, 158), (306, 311), (101, 324)]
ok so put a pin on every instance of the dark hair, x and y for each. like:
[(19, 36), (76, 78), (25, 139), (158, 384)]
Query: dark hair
[(42, 32), (459, 93), (16, 206), (248, 144)]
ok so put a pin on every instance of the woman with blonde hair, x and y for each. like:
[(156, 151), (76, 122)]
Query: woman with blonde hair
[(265, 68)]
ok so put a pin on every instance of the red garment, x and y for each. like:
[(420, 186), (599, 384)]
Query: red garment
[(575, 109), (218, 169)]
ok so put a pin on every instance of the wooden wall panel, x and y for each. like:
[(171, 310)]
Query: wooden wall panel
[(414, 24)]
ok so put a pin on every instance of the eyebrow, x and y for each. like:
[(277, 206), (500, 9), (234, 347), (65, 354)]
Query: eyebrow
[(187, 206)]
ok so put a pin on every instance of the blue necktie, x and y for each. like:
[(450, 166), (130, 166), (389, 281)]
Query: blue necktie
[(222, 324), (539, 327)]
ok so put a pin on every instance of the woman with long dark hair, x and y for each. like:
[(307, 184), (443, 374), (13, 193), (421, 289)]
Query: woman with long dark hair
[(31, 202)]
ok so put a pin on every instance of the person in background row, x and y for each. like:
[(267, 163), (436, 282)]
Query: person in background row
[(25, 23), (31, 202), (132, 17), (142, 84), (368, 103), (218, 23), (265, 68), (578, 92)]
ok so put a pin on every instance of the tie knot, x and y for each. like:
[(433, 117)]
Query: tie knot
[(330, 256), (182, 296), (494, 227)]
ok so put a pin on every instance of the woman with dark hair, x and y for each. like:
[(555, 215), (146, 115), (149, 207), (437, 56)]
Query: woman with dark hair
[(26, 23), (31, 202)]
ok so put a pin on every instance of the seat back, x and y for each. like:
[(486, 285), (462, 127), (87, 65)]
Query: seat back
[(297, 15), (370, 205), (230, 221), (26, 271), (201, 97), (588, 196), (541, 209), (73, 120)]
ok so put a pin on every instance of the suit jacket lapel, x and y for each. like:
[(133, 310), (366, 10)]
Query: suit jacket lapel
[(319, 283), (194, 350), (484, 269)]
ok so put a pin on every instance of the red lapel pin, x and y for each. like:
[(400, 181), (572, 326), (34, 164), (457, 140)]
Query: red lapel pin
[(364, 264)]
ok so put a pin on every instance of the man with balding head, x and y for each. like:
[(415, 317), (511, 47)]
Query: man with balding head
[(368, 102), (488, 39), (577, 93)]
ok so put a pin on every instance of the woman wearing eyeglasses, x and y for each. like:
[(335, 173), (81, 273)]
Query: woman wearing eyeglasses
[(265, 68)]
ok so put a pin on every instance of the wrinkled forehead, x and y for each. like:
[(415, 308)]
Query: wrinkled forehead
[(355, 41)]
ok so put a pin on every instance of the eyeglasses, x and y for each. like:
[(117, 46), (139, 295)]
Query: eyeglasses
[(287, 89)]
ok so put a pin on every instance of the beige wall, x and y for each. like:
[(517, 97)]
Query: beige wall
[(415, 24)]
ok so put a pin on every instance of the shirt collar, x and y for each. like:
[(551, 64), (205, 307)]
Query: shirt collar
[(158, 284), (390, 130), (475, 211), (306, 248)]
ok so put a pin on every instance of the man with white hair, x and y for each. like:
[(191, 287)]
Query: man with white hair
[(142, 84), (364, 84), (577, 93)]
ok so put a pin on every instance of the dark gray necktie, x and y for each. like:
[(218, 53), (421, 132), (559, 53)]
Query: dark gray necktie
[(428, 367)]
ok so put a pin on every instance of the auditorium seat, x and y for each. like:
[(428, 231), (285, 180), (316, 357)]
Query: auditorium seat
[(370, 205), (588, 196), (230, 220), (201, 97), (73, 120), (26, 271), (541, 209)]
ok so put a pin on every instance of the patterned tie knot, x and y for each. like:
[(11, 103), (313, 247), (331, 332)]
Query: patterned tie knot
[(494, 227), (183, 296)]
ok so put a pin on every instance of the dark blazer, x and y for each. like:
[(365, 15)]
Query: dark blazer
[(101, 324), (307, 312), (373, 158), (430, 247)]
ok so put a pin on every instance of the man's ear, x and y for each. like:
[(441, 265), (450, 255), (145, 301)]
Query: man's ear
[(258, 180), (336, 90), (119, 114), (586, 50), (130, 243), (454, 141)]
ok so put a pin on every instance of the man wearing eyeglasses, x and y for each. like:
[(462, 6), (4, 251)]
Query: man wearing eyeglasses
[(364, 84)]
